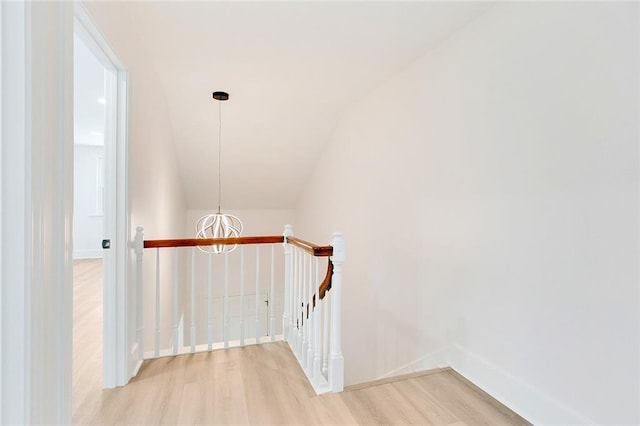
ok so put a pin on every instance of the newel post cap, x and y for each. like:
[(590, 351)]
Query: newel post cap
[(139, 241), (339, 251)]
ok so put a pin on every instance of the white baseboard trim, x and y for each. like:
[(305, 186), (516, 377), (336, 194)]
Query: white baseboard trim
[(87, 254), (526, 400), (436, 359)]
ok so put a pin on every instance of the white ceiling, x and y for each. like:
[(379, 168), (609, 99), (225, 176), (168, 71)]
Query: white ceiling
[(292, 70)]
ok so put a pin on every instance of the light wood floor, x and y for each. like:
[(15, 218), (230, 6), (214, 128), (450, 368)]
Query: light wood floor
[(264, 385), (87, 335)]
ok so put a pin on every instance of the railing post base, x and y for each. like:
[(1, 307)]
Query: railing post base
[(336, 371)]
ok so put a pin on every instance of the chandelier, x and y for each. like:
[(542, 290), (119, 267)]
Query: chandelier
[(219, 225)]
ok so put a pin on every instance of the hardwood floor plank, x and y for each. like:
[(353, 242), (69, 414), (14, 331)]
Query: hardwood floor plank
[(328, 409), (87, 337), (430, 410)]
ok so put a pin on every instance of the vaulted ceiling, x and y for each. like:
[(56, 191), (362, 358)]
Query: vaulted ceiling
[(292, 70)]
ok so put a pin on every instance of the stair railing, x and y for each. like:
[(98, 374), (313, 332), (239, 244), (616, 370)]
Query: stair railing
[(180, 300), (184, 287), (312, 316)]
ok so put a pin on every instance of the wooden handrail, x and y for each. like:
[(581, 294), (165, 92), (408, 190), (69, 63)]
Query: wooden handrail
[(310, 248), (313, 249), (193, 242), (323, 288), (325, 285)]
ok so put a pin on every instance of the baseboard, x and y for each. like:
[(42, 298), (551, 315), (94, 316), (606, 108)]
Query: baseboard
[(524, 399), (397, 378), (436, 359), (87, 254)]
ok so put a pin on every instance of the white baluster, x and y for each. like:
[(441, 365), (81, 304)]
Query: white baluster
[(326, 314), (241, 295), (193, 299), (157, 342), (175, 300), (139, 304), (294, 301), (310, 294), (271, 298), (300, 302), (305, 297), (209, 301), (257, 294), (225, 309), (286, 315), (336, 369), (317, 321)]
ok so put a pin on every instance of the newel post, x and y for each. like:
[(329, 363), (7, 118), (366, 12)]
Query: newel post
[(288, 271), (139, 249), (336, 368)]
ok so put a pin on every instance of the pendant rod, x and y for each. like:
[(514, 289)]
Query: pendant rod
[(219, 155)]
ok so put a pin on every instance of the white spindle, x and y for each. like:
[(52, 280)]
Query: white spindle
[(193, 299), (326, 314), (241, 295), (317, 318), (286, 315), (300, 302), (139, 301), (294, 300), (175, 300), (209, 301), (157, 342), (310, 294), (271, 298), (336, 370), (257, 294), (225, 309), (305, 319)]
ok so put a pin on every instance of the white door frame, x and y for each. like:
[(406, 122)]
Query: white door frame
[(116, 354), (1, 137)]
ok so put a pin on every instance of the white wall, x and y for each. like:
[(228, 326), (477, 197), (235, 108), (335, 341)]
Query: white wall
[(88, 228), (488, 196)]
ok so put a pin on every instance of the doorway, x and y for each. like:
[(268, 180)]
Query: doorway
[(101, 224), (91, 135)]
